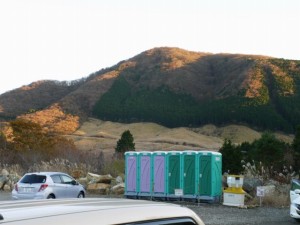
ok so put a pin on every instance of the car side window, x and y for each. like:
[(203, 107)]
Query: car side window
[(56, 179), (66, 179)]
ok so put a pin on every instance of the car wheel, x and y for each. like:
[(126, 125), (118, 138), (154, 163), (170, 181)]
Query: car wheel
[(51, 196), (80, 195)]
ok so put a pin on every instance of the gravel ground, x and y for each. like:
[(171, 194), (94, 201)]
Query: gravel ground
[(5, 195), (217, 214)]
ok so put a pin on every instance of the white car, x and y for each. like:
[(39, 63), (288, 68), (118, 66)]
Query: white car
[(95, 211), (43, 185), (295, 199)]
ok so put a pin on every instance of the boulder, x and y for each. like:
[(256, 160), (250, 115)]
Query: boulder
[(98, 188), (4, 172), (118, 189), (3, 181), (250, 185), (95, 178), (7, 187), (119, 180)]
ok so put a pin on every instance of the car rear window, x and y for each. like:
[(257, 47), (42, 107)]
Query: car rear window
[(33, 179)]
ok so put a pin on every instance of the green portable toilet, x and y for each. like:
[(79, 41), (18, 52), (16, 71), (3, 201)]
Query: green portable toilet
[(159, 175), (145, 174), (190, 174), (131, 174), (210, 176), (174, 175)]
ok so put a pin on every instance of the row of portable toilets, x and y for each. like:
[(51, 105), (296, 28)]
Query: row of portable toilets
[(174, 175)]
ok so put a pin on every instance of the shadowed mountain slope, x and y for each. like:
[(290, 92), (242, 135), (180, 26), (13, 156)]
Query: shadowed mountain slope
[(171, 87)]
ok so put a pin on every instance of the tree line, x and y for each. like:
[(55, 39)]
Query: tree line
[(268, 155), (126, 103)]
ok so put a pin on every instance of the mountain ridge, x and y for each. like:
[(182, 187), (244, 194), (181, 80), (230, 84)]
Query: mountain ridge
[(203, 80)]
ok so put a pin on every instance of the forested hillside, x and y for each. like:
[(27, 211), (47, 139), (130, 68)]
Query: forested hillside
[(258, 91), (171, 87)]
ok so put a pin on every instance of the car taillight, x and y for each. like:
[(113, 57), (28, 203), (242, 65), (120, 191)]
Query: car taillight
[(16, 187), (43, 187)]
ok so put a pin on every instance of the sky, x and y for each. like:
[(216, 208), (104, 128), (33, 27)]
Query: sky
[(69, 39)]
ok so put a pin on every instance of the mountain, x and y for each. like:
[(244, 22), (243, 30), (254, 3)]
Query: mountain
[(172, 87)]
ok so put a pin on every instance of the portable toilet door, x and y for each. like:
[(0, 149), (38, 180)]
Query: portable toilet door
[(159, 174), (174, 175), (190, 178), (145, 174), (217, 176), (210, 176), (131, 174)]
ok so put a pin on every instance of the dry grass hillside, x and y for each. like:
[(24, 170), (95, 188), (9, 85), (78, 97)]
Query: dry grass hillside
[(33, 97), (201, 75), (173, 73), (96, 135)]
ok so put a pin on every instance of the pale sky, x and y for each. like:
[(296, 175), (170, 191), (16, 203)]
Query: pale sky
[(70, 39)]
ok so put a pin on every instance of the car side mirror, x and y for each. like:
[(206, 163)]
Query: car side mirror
[(74, 182)]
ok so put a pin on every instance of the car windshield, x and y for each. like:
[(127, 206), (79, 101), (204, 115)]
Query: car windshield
[(33, 179)]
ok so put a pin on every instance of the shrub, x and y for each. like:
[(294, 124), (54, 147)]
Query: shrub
[(115, 167)]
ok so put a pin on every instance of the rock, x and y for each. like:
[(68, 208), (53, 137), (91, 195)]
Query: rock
[(92, 176), (3, 181), (119, 180), (118, 189), (4, 172), (95, 178), (250, 185), (7, 187), (98, 188)]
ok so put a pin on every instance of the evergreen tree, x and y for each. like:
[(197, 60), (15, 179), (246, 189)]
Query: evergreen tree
[(3, 141), (296, 148), (125, 143), (231, 158), (296, 141), (270, 151)]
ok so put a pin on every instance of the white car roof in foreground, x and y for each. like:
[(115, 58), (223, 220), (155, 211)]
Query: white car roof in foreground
[(89, 211)]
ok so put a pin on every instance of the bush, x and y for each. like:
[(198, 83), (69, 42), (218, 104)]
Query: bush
[(275, 200), (115, 167)]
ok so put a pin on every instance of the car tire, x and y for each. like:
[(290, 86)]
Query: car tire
[(51, 196), (80, 195)]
